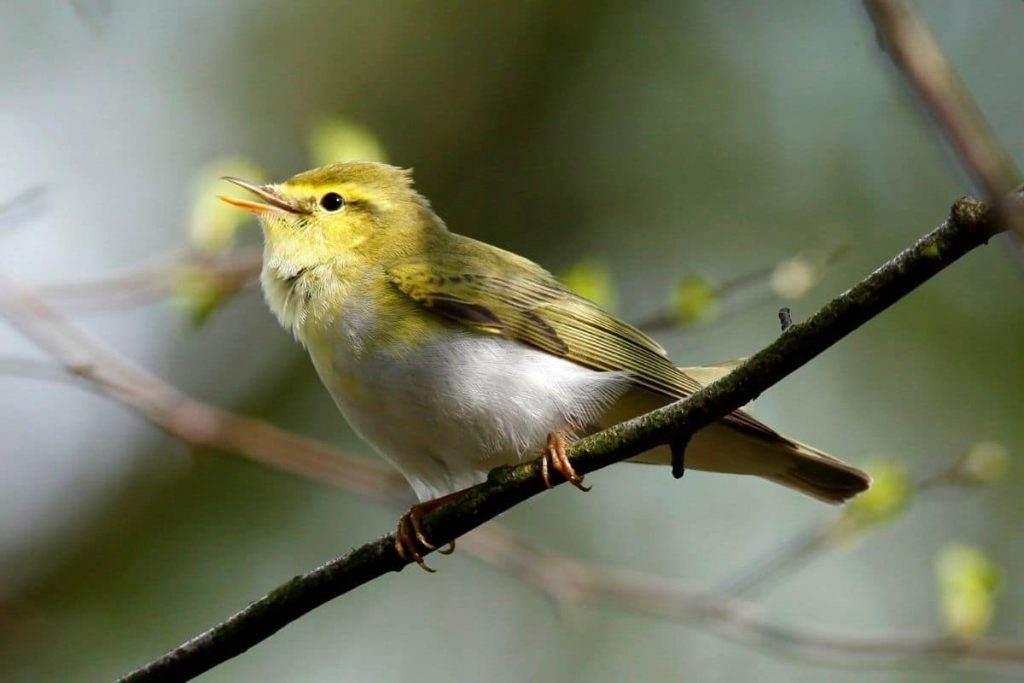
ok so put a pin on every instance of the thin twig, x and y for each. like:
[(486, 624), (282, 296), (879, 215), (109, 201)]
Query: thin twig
[(730, 291), (574, 583), (969, 225), (18, 208), (32, 368), (181, 416), (915, 52), (493, 544), (151, 282), (799, 551)]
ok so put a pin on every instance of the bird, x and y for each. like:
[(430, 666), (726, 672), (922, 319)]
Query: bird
[(451, 356)]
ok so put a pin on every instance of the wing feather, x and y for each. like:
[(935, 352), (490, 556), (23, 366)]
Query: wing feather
[(528, 304)]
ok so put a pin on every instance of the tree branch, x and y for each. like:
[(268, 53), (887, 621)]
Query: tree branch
[(88, 363), (969, 225), (191, 421), (16, 209), (150, 282), (789, 557), (757, 285), (915, 52), (574, 583)]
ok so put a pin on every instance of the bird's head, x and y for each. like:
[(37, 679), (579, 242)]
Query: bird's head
[(351, 214), (330, 232)]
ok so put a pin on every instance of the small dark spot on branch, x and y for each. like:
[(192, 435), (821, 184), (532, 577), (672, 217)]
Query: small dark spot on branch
[(678, 449), (785, 318)]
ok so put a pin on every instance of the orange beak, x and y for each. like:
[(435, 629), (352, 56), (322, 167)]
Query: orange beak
[(265, 192)]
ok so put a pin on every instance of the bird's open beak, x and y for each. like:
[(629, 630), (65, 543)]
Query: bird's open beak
[(274, 202)]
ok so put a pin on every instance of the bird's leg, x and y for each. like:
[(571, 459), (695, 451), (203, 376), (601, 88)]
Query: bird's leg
[(409, 536), (555, 458)]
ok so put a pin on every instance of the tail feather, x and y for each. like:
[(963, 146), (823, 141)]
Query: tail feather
[(739, 444), (820, 476), (789, 462)]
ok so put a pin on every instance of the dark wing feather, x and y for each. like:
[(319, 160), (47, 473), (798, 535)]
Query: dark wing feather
[(526, 303)]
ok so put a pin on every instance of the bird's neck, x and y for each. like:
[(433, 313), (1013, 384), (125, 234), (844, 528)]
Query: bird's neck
[(311, 292), (305, 297)]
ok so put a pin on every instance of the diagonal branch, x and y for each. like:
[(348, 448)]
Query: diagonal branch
[(16, 209), (969, 225), (183, 417), (915, 52), (88, 363), (153, 281), (575, 583), (802, 549)]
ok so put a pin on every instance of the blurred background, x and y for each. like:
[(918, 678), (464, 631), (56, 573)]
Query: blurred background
[(694, 165)]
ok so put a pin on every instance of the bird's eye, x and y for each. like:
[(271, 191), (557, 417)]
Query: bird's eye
[(332, 201)]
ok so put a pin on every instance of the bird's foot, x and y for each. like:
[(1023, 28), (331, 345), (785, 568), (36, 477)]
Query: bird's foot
[(556, 459), (409, 536)]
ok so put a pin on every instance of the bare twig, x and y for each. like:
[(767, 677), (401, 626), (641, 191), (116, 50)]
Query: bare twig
[(969, 225), (16, 209), (94, 14), (915, 52), (571, 582), (809, 545), (154, 281), (732, 291), (36, 369), (99, 366), (179, 415)]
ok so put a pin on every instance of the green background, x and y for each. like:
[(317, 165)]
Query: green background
[(655, 138)]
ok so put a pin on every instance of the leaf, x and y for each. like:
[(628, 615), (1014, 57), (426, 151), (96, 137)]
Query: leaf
[(986, 462), (794, 277), (199, 294), (694, 299), (885, 500), (968, 581), (213, 225), (338, 139), (592, 280)]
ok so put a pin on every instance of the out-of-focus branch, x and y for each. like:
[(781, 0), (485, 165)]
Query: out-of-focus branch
[(32, 368), (229, 273), (813, 542), (915, 52), (570, 583), (181, 416), (18, 208), (969, 225), (87, 360), (788, 279), (154, 281)]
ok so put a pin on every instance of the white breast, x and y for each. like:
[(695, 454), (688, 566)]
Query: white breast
[(461, 404)]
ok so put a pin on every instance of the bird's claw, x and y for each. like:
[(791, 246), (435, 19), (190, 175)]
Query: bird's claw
[(555, 458), (409, 536)]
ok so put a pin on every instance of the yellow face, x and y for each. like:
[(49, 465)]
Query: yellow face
[(351, 213)]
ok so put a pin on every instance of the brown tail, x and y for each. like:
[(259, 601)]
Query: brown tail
[(742, 445), (786, 461), (819, 475)]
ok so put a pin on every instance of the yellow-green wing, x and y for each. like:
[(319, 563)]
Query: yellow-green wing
[(496, 292)]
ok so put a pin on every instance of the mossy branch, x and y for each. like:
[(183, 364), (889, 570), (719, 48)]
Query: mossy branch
[(969, 225)]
